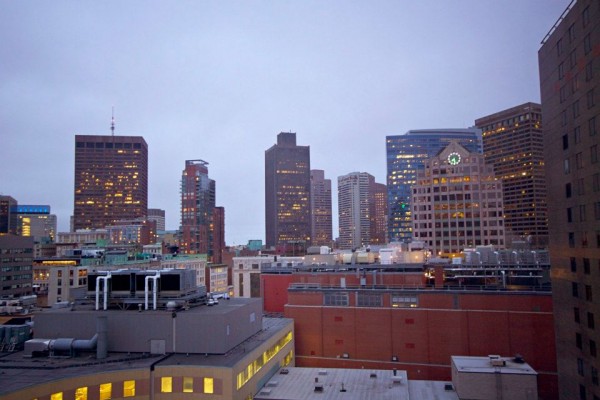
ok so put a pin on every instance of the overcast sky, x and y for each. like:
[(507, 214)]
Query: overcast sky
[(218, 80)]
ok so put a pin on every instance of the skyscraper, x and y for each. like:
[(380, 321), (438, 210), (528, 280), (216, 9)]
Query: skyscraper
[(569, 62), (378, 214), (405, 156), (158, 215), (513, 144), (8, 215), (457, 202), (320, 205), (197, 206), (357, 200), (111, 180), (287, 192), (37, 222)]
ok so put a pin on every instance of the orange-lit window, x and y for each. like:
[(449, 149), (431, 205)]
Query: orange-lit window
[(128, 388), (105, 391), (56, 396), (209, 385), (188, 384), (81, 393), (166, 384)]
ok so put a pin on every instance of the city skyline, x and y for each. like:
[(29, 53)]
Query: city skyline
[(219, 82)]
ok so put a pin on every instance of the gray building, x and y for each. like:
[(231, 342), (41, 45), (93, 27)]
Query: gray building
[(16, 258)]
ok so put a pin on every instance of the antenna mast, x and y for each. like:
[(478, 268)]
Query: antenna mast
[(112, 122)]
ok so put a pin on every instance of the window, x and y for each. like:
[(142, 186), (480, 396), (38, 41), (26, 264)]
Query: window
[(592, 348), (105, 391), (591, 102), (588, 292), (565, 141), (559, 47), (580, 366), (592, 126), (209, 385), (568, 190), (571, 33), (590, 320), (575, 289), (369, 300), (582, 395), (56, 396), (573, 264), (567, 166), (589, 71), (587, 44), (404, 301), (577, 134), (166, 384), (586, 266), (582, 213), (563, 118), (585, 16), (188, 384), (580, 187), (572, 240), (128, 388), (561, 71), (573, 58), (576, 109), (336, 299), (576, 317), (594, 154), (596, 182), (81, 393), (578, 340), (595, 376), (563, 93), (579, 160)]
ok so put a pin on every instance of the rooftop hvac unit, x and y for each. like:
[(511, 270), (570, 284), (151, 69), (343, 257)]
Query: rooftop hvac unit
[(272, 384), (318, 387), (265, 392)]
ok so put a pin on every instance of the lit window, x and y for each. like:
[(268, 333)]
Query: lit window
[(105, 391), (188, 385), (166, 384), (81, 393), (209, 385), (56, 396), (128, 388)]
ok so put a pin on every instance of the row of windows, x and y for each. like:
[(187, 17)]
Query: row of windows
[(369, 300), (107, 145)]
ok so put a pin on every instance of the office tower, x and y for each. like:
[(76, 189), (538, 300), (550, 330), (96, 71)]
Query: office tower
[(405, 155), (111, 180), (569, 66), (197, 205), (37, 222), (287, 193), (378, 213), (320, 206), (513, 144), (356, 201), (218, 234), (16, 257), (138, 232), (158, 215), (457, 202), (8, 215)]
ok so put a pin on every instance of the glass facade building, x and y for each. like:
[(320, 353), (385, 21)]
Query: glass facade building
[(406, 155)]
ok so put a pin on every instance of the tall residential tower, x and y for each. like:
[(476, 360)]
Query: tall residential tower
[(569, 62), (287, 193), (111, 180)]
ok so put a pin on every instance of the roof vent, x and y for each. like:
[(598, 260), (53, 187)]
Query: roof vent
[(284, 371), (265, 391), (319, 388), (322, 372), (373, 375)]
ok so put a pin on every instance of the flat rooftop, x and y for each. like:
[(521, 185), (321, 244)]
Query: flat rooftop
[(357, 384), (483, 365), (18, 372)]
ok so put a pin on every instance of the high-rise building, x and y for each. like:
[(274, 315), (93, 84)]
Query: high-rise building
[(287, 193), (37, 222), (457, 202), (320, 206), (569, 63), (111, 180), (198, 193), (8, 215), (218, 234), (16, 257), (378, 213), (158, 215), (405, 156), (513, 144), (357, 200)]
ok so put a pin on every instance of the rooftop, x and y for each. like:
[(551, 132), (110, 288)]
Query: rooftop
[(491, 364)]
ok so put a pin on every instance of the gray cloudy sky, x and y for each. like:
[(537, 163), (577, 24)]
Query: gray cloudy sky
[(217, 80)]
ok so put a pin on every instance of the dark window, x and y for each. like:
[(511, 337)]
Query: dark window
[(571, 33), (591, 101), (587, 44), (576, 317), (575, 289), (588, 293), (580, 367), (590, 318), (577, 134), (586, 266), (594, 154), (582, 395), (582, 213), (563, 118), (573, 264), (561, 71), (580, 187), (570, 214), (592, 348), (595, 378), (568, 190), (596, 182), (571, 239), (579, 160), (592, 126), (565, 140), (578, 341), (573, 58), (597, 210), (585, 16), (576, 109), (589, 71), (559, 47)]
